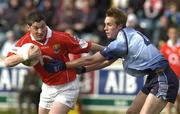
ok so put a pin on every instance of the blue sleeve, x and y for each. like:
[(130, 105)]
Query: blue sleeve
[(117, 48)]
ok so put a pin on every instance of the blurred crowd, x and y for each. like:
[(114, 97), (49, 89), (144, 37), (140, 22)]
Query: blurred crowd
[(85, 17)]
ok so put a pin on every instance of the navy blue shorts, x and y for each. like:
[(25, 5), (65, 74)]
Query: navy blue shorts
[(162, 84)]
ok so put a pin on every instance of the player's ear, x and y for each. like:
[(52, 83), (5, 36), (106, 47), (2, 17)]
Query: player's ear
[(120, 27), (28, 27)]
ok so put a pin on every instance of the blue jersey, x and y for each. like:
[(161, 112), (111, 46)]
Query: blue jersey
[(137, 52)]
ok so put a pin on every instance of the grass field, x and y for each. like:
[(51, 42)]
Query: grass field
[(13, 111)]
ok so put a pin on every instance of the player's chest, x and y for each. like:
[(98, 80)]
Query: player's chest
[(173, 50), (52, 49)]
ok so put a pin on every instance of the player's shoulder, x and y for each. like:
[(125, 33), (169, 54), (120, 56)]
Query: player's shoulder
[(24, 39), (164, 45), (127, 32), (61, 34)]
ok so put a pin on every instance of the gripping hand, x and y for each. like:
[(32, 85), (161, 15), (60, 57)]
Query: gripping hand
[(54, 66), (29, 51)]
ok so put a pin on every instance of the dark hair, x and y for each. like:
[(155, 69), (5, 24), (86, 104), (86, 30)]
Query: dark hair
[(119, 15), (34, 16)]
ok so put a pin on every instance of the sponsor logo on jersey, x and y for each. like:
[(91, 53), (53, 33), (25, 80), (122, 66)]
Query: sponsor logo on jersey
[(56, 48)]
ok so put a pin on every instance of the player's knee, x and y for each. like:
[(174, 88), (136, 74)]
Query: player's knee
[(131, 111)]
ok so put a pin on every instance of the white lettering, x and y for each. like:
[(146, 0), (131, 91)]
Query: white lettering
[(5, 82), (12, 79), (120, 83), (22, 74), (111, 84), (131, 85)]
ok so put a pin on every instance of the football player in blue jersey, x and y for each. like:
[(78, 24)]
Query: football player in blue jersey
[(140, 57)]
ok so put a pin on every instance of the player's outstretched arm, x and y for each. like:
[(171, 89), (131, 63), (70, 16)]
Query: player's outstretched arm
[(84, 61), (12, 60), (22, 54), (96, 66), (96, 47), (99, 65), (58, 65)]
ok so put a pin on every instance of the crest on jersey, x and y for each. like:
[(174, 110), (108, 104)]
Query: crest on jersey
[(56, 48)]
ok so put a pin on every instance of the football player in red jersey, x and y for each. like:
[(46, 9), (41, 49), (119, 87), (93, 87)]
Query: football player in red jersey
[(171, 51), (60, 89)]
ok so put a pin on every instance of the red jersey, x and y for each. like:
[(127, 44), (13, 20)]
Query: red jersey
[(172, 54), (56, 46)]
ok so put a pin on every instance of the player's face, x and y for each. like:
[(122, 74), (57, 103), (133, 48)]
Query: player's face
[(111, 28), (38, 30), (172, 33)]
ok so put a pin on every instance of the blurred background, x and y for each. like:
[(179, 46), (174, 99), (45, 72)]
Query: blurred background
[(106, 91)]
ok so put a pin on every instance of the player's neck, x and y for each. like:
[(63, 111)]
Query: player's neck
[(43, 40)]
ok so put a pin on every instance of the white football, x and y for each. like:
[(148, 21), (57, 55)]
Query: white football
[(25, 50)]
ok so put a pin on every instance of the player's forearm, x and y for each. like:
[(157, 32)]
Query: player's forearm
[(84, 61), (79, 62), (12, 60), (96, 47), (99, 65)]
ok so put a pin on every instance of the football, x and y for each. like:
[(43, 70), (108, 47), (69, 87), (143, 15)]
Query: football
[(27, 49)]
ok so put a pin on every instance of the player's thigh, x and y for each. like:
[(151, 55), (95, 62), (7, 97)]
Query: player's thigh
[(59, 108), (137, 103), (43, 110), (153, 105), (168, 108), (178, 96), (178, 104)]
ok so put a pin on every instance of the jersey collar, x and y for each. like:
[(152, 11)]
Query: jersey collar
[(170, 43), (48, 36)]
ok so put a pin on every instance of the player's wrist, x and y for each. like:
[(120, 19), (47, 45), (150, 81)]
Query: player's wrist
[(80, 70)]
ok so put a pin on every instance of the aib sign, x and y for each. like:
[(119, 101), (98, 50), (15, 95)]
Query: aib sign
[(116, 82)]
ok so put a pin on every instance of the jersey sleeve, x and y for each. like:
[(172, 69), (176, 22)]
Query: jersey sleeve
[(76, 45), (14, 48), (117, 48)]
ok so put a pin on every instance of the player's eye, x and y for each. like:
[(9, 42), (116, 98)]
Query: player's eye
[(35, 28)]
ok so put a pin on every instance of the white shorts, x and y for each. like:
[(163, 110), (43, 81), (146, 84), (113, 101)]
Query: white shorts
[(66, 94)]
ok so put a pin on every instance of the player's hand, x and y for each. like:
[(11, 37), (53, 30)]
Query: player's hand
[(34, 52), (80, 70), (29, 51), (54, 66)]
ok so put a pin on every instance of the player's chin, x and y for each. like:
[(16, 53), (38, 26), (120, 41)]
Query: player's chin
[(109, 37), (39, 38)]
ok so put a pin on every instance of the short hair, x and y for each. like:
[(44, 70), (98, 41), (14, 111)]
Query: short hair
[(118, 14), (34, 16)]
